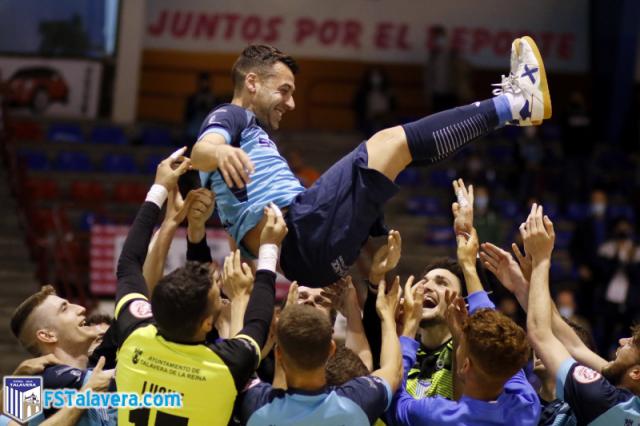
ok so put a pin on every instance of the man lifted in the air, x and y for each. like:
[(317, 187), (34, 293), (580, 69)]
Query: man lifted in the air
[(329, 222)]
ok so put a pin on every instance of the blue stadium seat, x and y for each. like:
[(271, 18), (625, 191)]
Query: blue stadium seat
[(409, 177), (509, 209), (119, 163), (156, 136), (34, 160), (65, 132), (442, 178), (440, 236), (151, 163), (72, 161), (621, 211), (424, 206), (108, 135), (563, 239), (577, 211), (502, 152)]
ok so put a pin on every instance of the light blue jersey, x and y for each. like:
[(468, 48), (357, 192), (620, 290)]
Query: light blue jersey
[(240, 209)]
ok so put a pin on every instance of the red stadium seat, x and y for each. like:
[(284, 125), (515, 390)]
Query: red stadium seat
[(26, 130), (87, 192), (41, 189), (129, 192)]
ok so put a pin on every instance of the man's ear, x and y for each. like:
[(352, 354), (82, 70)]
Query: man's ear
[(45, 335), (634, 373), (332, 348), (207, 324), (250, 82)]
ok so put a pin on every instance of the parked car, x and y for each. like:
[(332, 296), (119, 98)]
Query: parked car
[(37, 87)]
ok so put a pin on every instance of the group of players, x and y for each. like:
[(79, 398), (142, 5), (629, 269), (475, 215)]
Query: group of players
[(431, 351)]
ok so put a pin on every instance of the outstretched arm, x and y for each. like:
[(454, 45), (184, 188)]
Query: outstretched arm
[(390, 356), (538, 236)]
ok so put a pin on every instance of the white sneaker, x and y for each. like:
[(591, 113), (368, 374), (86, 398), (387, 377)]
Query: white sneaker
[(527, 84)]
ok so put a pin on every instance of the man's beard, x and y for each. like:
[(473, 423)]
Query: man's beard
[(615, 371)]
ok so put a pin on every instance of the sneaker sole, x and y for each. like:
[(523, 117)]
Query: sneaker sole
[(544, 87)]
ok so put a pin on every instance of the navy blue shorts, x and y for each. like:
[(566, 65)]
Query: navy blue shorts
[(331, 221)]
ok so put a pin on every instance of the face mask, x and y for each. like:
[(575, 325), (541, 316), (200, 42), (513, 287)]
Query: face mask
[(482, 202), (598, 209), (566, 311), (376, 80)]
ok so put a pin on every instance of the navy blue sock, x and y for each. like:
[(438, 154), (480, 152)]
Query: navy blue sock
[(437, 136)]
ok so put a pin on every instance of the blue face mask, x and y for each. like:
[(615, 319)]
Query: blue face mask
[(481, 202), (598, 209)]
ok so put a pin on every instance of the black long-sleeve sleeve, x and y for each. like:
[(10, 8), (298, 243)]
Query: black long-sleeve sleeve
[(372, 328), (134, 252), (199, 251), (257, 318)]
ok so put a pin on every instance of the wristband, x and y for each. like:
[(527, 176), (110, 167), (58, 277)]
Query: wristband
[(373, 289), (268, 257), (157, 194)]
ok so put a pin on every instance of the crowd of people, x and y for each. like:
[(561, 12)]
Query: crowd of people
[(430, 350)]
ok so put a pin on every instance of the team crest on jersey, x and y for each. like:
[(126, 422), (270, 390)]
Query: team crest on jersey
[(585, 375), (140, 309), (22, 397)]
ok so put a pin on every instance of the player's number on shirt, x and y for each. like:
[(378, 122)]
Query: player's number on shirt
[(140, 417)]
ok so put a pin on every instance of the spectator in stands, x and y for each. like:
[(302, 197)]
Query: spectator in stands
[(304, 345), (598, 392), (531, 156), (374, 103), (447, 81), (198, 105), (485, 219), (619, 272), (305, 173), (583, 248), (566, 302), (578, 141)]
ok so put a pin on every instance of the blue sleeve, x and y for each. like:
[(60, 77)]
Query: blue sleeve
[(479, 300), (409, 349), (519, 386), (588, 393), (371, 393), (406, 410), (63, 376), (257, 395), (228, 121)]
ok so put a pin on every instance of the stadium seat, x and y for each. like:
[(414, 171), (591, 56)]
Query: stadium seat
[(577, 211), (119, 163), (42, 189), (509, 209), (26, 130), (108, 135), (87, 191), (151, 163), (34, 160), (621, 211), (156, 136), (129, 192), (72, 161), (65, 132), (409, 177), (442, 178), (440, 236), (424, 206)]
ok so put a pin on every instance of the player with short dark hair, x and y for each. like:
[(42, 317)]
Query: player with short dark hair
[(303, 346), (330, 221)]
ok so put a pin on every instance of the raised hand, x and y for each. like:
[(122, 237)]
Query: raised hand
[(504, 267), (386, 303), (456, 313), (202, 207), (235, 165), (463, 208), (538, 234), (342, 295), (386, 258), (100, 379), (524, 261), (171, 168), (413, 298), (275, 229), (237, 278), (467, 247)]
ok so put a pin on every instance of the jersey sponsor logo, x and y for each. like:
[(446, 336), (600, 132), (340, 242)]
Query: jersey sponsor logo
[(140, 309), (340, 267), (585, 375), (266, 143), (136, 355)]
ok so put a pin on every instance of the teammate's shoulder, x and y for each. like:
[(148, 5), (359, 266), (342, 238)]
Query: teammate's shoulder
[(62, 376)]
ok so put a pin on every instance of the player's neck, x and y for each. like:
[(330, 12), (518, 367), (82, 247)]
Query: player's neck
[(434, 335), (481, 391), (76, 359), (242, 102), (313, 380)]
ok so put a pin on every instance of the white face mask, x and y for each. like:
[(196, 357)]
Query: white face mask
[(598, 209), (481, 203), (566, 311)]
